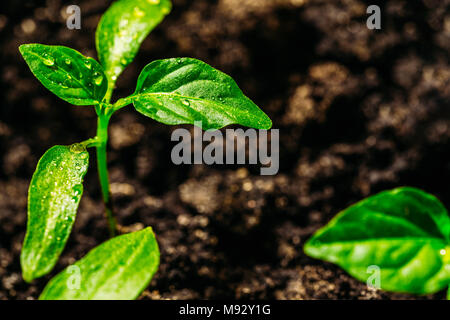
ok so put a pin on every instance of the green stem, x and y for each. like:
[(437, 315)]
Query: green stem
[(123, 102), (102, 135)]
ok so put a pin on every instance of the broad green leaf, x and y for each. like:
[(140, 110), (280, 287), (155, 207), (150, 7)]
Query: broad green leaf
[(119, 269), (184, 90), (73, 77), (405, 232), (53, 198), (122, 29)]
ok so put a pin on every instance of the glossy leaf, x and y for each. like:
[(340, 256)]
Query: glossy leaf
[(184, 90), (120, 268), (122, 29), (405, 232), (73, 77), (53, 197)]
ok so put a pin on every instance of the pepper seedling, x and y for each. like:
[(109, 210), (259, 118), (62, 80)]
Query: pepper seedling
[(403, 233), (171, 91)]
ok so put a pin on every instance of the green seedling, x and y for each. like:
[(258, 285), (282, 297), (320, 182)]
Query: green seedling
[(171, 91), (403, 233)]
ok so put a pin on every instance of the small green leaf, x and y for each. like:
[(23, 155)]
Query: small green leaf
[(405, 232), (184, 90), (73, 77), (120, 268), (53, 198), (122, 29)]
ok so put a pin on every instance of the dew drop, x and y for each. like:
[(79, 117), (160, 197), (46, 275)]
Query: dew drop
[(87, 63), (77, 148), (84, 155), (138, 12), (77, 190), (68, 62), (98, 79), (186, 103), (48, 61)]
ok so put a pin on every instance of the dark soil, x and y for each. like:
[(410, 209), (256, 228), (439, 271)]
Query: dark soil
[(359, 111)]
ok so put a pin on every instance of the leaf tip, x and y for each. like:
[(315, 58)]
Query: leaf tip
[(23, 48), (267, 124), (27, 274)]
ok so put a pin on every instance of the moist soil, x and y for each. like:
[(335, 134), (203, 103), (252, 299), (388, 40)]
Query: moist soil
[(359, 111)]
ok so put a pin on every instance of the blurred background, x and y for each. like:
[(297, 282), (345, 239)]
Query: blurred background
[(359, 111)]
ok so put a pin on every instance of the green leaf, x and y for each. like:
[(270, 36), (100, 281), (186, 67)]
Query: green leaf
[(120, 268), (67, 73), (122, 29), (404, 231), (53, 198), (184, 90)]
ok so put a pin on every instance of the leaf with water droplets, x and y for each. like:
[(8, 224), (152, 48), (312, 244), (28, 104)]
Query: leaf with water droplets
[(185, 90), (122, 29), (53, 199), (400, 237), (66, 73), (119, 269)]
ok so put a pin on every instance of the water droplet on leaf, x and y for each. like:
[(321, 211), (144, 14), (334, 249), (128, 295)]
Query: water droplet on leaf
[(48, 61), (77, 148), (138, 12), (98, 79), (84, 155), (87, 63)]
